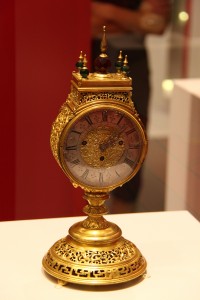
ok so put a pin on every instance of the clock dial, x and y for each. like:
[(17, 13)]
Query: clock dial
[(102, 148)]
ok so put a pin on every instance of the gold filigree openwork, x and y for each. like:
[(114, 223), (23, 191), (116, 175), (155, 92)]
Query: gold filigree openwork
[(59, 124), (124, 97), (95, 257), (83, 266)]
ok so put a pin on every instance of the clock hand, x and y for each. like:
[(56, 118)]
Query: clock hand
[(112, 139), (110, 142)]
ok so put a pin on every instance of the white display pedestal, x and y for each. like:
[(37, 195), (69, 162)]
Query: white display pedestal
[(170, 242), (183, 163)]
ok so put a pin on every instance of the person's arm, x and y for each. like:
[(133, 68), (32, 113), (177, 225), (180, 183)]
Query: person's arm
[(151, 17)]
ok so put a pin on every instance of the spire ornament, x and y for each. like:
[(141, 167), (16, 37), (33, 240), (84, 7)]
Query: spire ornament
[(102, 63)]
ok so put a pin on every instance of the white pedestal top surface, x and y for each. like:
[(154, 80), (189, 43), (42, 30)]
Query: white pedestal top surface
[(170, 242)]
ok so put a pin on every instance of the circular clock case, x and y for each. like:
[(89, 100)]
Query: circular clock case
[(102, 147)]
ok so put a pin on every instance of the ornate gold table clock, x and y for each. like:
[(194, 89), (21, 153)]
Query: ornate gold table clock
[(99, 142)]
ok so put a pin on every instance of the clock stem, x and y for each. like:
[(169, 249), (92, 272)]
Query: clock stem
[(95, 227), (94, 251), (95, 211)]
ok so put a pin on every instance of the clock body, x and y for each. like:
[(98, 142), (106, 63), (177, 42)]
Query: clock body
[(99, 142), (102, 146), (98, 138)]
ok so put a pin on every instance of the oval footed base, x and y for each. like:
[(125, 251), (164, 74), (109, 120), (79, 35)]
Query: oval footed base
[(71, 261)]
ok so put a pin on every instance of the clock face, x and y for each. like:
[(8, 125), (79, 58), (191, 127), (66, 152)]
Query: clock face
[(103, 148)]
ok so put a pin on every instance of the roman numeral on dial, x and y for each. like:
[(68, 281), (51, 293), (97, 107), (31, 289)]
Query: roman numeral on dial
[(73, 147), (117, 173), (87, 118), (122, 116), (85, 174), (130, 131), (136, 146), (104, 115), (76, 162), (129, 162), (100, 178), (75, 131)]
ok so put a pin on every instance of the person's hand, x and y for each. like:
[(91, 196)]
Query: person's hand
[(102, 14), (147, 19)]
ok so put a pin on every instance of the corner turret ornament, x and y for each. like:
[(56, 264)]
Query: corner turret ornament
[(100, 143)]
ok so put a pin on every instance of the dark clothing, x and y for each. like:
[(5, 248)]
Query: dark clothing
[(130, 4), (138, 63), (137, 60)]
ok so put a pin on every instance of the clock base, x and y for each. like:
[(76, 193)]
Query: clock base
[(69, 261), (94, 253)]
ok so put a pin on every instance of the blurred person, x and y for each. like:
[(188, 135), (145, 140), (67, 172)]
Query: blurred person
[(128, 22)]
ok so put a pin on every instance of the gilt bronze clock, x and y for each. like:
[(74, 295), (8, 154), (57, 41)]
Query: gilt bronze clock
[(99, 142)]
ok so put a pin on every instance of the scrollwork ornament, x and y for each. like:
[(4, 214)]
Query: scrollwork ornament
[(83, 265), (95, 223), (57, 127)]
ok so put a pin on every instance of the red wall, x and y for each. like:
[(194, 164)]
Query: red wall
[(42, 40), (7, 110)]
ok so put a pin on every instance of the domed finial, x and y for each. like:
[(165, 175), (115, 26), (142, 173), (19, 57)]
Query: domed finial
[(102, 62), (119, 62), (79, 63), (125, 67), (84, 70)]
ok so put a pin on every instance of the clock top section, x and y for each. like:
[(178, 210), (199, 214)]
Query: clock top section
[(95, 80), (82, 78)]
